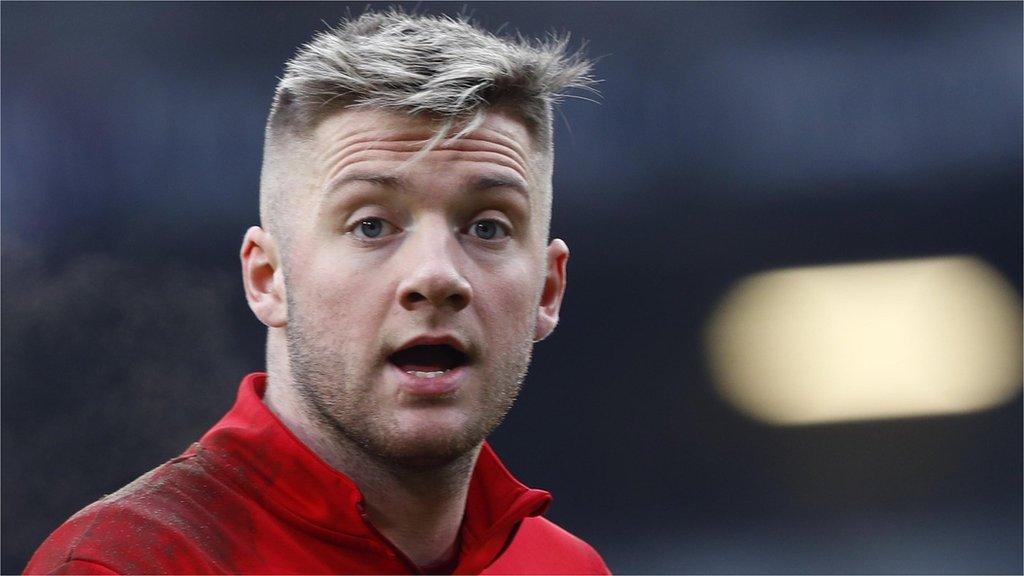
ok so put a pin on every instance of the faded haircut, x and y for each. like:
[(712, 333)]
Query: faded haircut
[(437, 66)]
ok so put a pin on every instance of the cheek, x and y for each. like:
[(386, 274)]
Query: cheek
[(343, 297), (508, 301)]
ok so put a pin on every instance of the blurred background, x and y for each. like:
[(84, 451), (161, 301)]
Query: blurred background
[(792, 336)]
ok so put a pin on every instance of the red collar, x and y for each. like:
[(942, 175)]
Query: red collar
[(267, 461)]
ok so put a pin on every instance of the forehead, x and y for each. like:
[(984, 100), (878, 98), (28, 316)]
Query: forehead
[(377, 141)]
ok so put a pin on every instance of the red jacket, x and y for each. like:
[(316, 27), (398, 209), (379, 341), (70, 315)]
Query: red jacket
[(249, 497)]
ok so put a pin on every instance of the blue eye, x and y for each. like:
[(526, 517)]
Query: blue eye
[(373, 228), (489, 230)]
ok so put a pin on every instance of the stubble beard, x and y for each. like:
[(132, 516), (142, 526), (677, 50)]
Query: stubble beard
[(340, 400)]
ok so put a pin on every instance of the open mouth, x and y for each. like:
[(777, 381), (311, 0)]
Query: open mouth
[(428, 360)]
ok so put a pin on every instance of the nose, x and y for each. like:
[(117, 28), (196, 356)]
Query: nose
[(433, 278)]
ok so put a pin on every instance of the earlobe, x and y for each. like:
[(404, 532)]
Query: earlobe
[(554, 290), (263, 277)]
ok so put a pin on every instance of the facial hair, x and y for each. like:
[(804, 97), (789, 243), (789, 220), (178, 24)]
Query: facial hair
[(339, 394)]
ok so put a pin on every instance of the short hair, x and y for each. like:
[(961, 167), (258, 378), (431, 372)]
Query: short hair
[(420, 64), (439, 66)]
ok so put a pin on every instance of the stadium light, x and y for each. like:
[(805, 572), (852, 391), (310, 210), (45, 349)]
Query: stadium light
[(867, 341)]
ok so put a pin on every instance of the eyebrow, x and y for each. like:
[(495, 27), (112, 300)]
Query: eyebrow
[(479, 183), (371, 177), (490, 181)]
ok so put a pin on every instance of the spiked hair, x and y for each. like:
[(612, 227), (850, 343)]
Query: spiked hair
[(446, 69), (434, 65)]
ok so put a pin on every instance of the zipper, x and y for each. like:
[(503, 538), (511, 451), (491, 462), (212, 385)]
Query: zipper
[(391, 549)]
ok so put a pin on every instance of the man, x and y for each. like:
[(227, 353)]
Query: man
[(404, 272)]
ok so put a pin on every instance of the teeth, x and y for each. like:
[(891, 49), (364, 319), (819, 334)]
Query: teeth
[(418, 374)]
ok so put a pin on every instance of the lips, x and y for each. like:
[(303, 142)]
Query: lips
[(430, 357), (428, 360), (431, 366)]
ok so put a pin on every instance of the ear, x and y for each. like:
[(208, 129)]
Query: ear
[(554, 290), (263, 277)]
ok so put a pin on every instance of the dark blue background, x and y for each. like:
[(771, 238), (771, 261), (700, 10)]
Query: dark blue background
[(730, 138)]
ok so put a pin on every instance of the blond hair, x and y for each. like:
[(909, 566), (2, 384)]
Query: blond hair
[(438, 66), (419, 64)]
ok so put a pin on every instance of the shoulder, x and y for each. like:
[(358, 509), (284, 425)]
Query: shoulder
[(541, 546), (165, 521)]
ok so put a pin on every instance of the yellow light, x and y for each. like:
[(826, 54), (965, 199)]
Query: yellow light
[(865, 341)]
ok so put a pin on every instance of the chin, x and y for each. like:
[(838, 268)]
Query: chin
[(426, 453), (427, 442)]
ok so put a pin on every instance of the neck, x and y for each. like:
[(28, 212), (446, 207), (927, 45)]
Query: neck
[(419, 510)]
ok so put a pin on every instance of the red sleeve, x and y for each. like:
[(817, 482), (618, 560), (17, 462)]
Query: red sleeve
[(81, 567)]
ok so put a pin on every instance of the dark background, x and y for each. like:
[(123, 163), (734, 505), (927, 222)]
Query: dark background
[(730, 138)]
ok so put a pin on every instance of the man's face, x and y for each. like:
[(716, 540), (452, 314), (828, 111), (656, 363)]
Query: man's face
[(414, 289)]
